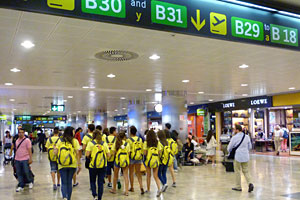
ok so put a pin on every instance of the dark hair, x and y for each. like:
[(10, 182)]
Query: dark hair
[(189, 139), (210, 134), (225, 130), (78, 129), (133, 130), (162, 138), (106, 131), (168, 125), (9, 136), (238, 127), (119, 140), (151, 139), (112, 129), (56, 130), (174, 135), (91, 127), (97, 136), (146, 131), (99, 127), (68, 134), (168, 134), (21, 129)]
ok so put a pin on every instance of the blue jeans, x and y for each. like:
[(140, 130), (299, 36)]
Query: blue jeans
[(23, 173), (94, 174), (162, 173), (66, 181)]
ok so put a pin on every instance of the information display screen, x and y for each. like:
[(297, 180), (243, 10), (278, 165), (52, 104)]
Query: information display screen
[(205, 18)]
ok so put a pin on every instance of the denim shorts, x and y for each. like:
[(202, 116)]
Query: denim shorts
[(110, 166), (53, 166), (133, 162)]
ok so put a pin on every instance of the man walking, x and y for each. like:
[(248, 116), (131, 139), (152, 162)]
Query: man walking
[(23, 158), (243, 144)]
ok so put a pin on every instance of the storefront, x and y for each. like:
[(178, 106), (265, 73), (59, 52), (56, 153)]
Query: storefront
[(122, 123), (198, 121), (154, 120), (250, 113)]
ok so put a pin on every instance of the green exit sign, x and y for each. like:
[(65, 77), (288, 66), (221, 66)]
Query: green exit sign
[(113, 8), (168, 14), (248, 29), (57, 108), (284, 35), (200, 112)]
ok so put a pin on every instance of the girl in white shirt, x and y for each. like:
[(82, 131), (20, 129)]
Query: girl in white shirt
[(211, 147)]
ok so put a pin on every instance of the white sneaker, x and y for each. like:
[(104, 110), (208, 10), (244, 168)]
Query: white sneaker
[(30, 185), (19, 189), (158, 193), (164, 188)]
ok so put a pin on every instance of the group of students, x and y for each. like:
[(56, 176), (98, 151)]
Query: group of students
[(107, 153)]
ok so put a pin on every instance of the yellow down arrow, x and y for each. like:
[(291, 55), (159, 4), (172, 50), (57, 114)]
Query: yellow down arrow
[(199, 25)]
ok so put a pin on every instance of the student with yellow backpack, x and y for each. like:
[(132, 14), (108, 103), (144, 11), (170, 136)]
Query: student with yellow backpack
[(121, 149), (110, 140), (174, 147), (50, 145), (98, 152), (68, 160), (136, 158), (152, 150), (166, 158)]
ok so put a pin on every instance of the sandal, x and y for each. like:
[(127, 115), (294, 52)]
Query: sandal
[(126, 194), (112, 191), (131, 190), (142, 191)]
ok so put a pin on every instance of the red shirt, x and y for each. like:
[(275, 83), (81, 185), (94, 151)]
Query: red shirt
[(78, 137)]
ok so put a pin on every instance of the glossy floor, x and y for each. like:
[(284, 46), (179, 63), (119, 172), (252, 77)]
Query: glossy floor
[(274, 178)]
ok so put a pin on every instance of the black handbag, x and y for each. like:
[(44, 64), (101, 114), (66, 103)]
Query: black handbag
[(232, 152)]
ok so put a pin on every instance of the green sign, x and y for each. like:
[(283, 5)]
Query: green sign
[(248, 29), (3, 117), (168, 14), (200, 112), (284, 35), (57, 108), (113, 8)]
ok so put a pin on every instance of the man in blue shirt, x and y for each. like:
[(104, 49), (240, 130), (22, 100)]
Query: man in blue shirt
[(241, 159)]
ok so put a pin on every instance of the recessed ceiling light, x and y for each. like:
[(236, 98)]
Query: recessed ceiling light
[(210, 100), (65, 100), (124, 108), (154, 57), (92, 87), (185, 81), (192, 103), (85, 87), (148, 90), (79, 111), (244, 85), (245, 95), (15, 70), (27, 44), (111, 76), (118, 114), (11, 99), (116, 110), (292, 88), (8, 84), (200, 92), (122, 98), (243, 66), (70, 97), (14, 109)]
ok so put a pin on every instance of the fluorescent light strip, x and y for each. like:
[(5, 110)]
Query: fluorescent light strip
[(289, 14), (251, 5)]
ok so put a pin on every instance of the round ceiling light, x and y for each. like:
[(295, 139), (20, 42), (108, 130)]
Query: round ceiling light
[(116, 55), (158, 108)]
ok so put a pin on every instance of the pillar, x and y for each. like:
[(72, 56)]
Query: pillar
[(101, 119), (175, 112), (137, 116), (111, 122)]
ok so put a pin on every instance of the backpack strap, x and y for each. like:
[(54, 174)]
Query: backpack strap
[(93, 142), (107, 141), (102, 143), (89, 136), (114, 140), (50, 140), (56, 140), (131, 139)]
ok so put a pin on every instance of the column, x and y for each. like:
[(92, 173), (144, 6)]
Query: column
[(137, 116), (111, 122), (175, 112), (101, 119)]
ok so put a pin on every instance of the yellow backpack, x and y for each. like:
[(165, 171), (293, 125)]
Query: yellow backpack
[(66, 153), (137, 152), (167, 156), (152, 160), (174, 146), (98, 156), (122, 157), (51, 155), (110, 144)]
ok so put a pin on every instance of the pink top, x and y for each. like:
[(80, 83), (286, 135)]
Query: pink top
[(22, 152)]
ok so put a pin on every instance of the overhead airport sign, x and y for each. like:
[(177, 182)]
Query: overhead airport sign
[(206, 18), (57, 108)]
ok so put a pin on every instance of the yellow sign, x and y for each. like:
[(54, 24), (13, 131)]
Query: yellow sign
[(286, 99), (218, 23), (197, 23), (62, 4)]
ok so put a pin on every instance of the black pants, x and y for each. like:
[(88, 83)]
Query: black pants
[(97, 174), (41, 145)]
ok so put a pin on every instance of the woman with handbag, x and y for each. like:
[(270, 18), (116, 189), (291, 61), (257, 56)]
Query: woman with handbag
[(211, 147)]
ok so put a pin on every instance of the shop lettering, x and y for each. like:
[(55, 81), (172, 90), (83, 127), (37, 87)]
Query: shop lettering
[(228, 105), (138, 3), (259, 102)]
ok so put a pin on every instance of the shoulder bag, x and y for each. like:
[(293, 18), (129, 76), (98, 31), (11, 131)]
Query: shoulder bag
[(232, 153)]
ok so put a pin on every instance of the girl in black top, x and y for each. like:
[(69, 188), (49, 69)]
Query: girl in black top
[(189, 150)]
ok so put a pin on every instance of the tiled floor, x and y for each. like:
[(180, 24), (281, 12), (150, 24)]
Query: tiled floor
[(275, 178)]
